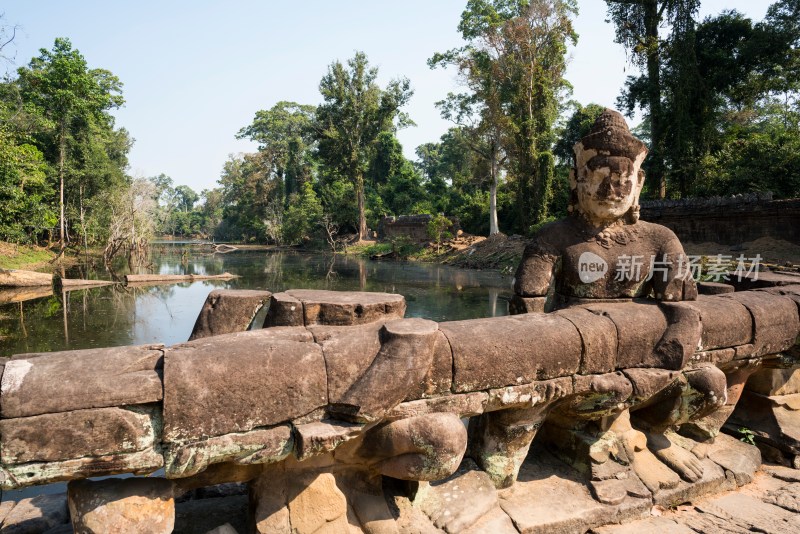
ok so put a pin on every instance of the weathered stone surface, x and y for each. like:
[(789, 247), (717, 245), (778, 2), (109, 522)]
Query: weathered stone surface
[(759, 516), (284, 310), (649, 382), (275, 333), (323, 436), (726, 322), (463, 405), (68, 435), (765, 279), (513, 350), (774, 420), (714, 288), (316, 504), (196, 516), (36, 514), (459, 501), (712, 481), (31, 474), (260, 446), (599, 338), (348, 351), (245, 384), (119, 376), (717, 357), (787, 497), (404, 359), (639, 326), (5, 509), (426, 447), (495, 521), (345, 308), (439, 378), (529, 395), (741, 459), (772, 382), (654, 525), (550, 497), (775, 317), (130, 505), (228, 310)]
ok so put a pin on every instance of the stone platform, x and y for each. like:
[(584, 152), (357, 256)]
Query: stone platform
[(549, 497)]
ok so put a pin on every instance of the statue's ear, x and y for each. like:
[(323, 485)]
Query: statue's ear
[(641, 178)]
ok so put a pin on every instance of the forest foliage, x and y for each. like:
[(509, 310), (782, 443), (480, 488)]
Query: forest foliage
[(719, 98)]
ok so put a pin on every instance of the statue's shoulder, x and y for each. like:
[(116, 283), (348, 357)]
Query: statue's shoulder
[(553, 236), (658, 231)]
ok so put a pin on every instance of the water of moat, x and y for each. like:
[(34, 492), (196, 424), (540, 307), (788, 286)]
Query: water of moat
[(119, 315)]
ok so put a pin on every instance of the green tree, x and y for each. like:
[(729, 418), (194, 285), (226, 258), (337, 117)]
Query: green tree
[(285, 138), (637, 24), (63, 89), (515, 58), (355, 110), (302, 216)]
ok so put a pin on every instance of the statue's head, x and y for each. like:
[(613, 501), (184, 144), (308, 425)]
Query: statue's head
[(608, 176)]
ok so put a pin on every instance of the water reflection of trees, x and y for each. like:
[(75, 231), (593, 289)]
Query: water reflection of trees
[(116, 315)]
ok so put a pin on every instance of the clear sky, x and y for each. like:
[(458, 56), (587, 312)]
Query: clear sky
[(195, 72)]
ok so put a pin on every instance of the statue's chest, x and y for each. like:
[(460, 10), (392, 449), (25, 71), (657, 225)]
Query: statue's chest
[(589, 270)]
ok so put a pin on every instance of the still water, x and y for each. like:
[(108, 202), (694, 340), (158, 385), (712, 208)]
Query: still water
[(119, 315)]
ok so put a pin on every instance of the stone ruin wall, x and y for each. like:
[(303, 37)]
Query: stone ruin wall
[(728, 221), (414, 227)]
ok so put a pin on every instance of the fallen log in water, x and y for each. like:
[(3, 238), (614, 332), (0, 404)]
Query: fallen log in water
[(78, 283), (175, 278), (17, 278), (21, 294)]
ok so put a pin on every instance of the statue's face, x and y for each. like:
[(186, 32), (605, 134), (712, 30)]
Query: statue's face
[(607, 186)]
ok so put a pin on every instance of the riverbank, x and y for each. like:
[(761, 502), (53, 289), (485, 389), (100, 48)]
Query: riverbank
[(26, 257)]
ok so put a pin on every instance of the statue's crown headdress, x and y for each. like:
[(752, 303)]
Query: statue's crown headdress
[(611, 136)]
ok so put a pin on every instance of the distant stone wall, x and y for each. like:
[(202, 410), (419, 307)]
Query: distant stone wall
[(729, 220), (414, 227)]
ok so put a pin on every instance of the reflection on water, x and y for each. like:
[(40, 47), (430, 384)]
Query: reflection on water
[(119, 315)]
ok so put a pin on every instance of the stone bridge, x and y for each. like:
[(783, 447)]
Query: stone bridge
[(342, 416)]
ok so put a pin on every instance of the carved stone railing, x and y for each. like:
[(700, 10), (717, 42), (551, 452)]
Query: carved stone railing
[(308, 402)]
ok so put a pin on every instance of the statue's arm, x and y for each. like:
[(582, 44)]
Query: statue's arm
[(533, 278), (678, 284)]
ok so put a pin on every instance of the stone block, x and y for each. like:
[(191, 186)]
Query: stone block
[(69, 435), (228, 310), (323, 436), (439, 378), (726, 322), (37, 514), (740, 459), (260, 446), (244, 383), (120, 376), (775, 318), (512, 350), (347, 308), (599, 337), (130, 505), (37, 473), (348, 351), (404, 359), (772, 382)]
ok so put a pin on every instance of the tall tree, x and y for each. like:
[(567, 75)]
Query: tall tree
[(63, 89), (355, 110), (285, 139), (637, 24), (515, 59)]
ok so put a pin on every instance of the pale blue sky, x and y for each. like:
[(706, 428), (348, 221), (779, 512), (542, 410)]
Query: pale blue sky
[(194, 72)]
